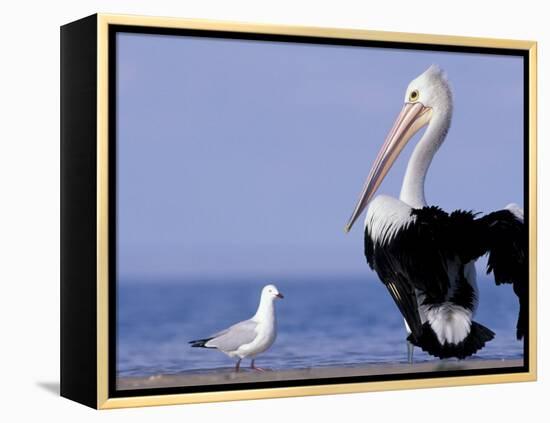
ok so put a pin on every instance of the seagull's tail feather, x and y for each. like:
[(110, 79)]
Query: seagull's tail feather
[(200, 343), (476, 339)]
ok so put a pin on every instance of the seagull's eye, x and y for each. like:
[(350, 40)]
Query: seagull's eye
[(413, 96)]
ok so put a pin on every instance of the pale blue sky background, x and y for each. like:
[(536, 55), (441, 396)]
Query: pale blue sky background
[(245, 158)]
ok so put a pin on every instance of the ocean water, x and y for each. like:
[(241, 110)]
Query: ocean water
[(321, 322)]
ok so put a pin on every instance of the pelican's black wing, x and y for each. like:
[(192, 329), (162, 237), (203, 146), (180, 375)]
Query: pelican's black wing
[(414, 259), (417, 257), (503, 235)]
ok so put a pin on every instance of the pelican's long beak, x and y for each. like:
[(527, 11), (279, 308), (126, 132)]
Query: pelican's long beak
[(412, 117)]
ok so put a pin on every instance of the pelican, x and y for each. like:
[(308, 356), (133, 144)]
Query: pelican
[(425, 256)]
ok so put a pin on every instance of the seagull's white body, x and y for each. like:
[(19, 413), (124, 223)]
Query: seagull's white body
[(262, 327), (250, 337)]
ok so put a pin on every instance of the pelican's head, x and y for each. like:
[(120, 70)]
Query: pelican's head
[(270, 291), (430, 89), (428, 97)]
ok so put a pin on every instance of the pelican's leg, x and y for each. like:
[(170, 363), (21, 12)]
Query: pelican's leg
[(238, 365), (252, 366), (410, 346), (410, 352)]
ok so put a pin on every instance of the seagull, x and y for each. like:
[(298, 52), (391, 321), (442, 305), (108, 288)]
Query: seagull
[(250, 337)]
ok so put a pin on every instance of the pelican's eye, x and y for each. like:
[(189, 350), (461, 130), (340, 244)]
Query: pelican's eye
[(413, 96)]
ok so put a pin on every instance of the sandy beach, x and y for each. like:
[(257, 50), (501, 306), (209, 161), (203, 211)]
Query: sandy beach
[(228, 375)]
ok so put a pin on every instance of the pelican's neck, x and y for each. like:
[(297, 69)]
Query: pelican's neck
[(412, 190), (266, 309)]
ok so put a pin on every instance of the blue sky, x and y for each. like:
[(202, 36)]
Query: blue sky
[(245, 158)]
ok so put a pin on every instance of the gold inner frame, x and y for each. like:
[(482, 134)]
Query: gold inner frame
[(103, 400)]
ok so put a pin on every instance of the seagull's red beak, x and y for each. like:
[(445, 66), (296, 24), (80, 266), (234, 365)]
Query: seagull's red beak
[(413, 116)]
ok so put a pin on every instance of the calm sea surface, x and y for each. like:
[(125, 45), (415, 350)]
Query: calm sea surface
[(321, 322)]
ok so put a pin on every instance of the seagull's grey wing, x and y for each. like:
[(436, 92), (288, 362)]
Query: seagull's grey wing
[(232, 338), (220, 333), (224, 331)]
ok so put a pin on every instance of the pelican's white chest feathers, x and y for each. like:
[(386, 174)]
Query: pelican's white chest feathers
[(386, 216)]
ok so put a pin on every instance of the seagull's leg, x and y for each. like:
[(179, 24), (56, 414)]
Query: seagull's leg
[(410, 352), (238, 365), (252, 366)]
